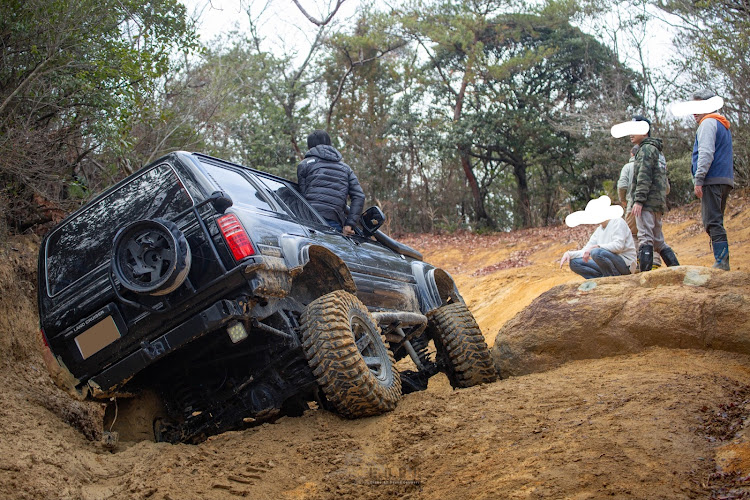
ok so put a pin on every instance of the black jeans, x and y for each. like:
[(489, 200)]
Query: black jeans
[(713, 204)]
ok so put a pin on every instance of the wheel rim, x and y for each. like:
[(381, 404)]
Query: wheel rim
[(371, 348), (145, 257), (148, 258)]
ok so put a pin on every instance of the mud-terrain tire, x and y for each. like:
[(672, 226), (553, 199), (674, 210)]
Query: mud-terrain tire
[(460, 346), (151, 256), (348, 356)]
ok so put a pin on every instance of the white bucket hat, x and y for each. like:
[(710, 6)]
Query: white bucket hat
[(697, 107), (597, 211), (631, 127)]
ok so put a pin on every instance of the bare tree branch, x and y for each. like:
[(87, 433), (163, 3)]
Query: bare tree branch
[(316, 21), (353, 64), (34, 74)]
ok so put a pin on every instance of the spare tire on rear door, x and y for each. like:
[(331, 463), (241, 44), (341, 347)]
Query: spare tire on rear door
[(151, 256), (349, 359)]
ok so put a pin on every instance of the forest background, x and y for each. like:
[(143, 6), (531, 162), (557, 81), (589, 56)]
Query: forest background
[(486, 115)]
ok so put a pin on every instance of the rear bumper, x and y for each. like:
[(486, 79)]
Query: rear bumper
[(114, 376)]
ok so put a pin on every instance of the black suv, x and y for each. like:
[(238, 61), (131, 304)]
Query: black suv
[(219, 289)]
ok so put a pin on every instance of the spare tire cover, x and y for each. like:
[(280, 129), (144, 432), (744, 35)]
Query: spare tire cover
[(151, 256)]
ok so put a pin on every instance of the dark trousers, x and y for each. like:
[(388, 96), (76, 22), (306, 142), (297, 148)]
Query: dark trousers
[(713, 204), (602, 263)]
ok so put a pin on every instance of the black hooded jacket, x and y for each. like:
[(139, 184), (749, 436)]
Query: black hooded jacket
[(326, 182)]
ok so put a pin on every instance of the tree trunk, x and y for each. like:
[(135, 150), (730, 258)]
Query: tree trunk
[(524, 204), (480, 214)]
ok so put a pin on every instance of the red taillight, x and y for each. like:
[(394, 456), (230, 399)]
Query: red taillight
[(236, 236), (44, 338)]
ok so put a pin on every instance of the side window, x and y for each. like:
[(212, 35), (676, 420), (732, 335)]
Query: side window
[(292, 200), (237, 186)]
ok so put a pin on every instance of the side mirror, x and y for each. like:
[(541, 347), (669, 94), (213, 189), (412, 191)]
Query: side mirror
[(220, 201), (371, 220)]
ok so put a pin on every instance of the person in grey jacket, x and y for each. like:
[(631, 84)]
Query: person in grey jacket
[(326, 183), (713, 172)]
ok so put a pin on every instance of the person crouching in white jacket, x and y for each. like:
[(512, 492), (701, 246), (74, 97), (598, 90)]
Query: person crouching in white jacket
[(611, 250)]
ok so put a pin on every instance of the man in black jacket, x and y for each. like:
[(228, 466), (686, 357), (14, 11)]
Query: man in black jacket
[(326, 182)]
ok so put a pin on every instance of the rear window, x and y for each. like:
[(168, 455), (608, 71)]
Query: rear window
[(84, 243)]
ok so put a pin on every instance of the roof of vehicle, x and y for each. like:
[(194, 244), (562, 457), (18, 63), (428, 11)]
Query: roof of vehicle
[(226, 162)]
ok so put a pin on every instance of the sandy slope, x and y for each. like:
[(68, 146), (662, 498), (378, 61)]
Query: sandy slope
[(661, 424), (496, 297)]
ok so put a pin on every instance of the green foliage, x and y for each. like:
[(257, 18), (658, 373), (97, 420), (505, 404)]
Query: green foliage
[(610, 189), (714, 42), (78, 190), (244, 119), (680, 180), (482, 114), (362, 73), (536, 72), (73, 78)]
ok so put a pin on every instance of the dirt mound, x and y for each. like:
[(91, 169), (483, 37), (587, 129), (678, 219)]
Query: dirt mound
[(662, 423), (496, 297), (17, 299), (28, 392), (680, 307)]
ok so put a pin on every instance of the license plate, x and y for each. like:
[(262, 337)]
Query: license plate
[(97, 337)]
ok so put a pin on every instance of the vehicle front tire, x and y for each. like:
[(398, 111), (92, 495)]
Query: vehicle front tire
[(347, 354), (460, 346)]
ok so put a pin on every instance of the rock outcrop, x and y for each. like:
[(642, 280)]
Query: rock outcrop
[(686, 307)]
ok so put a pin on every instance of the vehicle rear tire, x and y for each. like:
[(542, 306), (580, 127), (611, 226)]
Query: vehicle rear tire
[(460, 346), (151, 257), (348, 356)]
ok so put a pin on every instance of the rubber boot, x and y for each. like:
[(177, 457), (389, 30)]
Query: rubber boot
[(669, 258), (646, 257), (657, 261), (721, 254)]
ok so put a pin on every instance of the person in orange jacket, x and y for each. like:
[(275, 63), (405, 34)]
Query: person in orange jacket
[(712, 168)]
